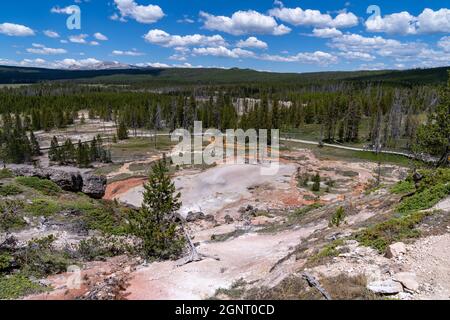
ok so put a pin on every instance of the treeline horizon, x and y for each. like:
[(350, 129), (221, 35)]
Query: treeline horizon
[(385, 112)]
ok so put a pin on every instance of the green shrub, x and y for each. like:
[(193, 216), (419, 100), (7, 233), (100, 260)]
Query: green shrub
[(424, 199), (433, 177), (107, 219), (16, 286), (10, 215), (405, 186), (381, 235), (44, 186), (99, 248), (330, 250), (316, 185), (337, 218), (39, 258), (5, 261), (43, 207)]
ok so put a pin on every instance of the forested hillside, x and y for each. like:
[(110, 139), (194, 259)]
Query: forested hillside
[(161, 77)]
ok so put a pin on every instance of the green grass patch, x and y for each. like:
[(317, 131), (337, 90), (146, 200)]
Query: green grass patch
[(44, 186), (227, 236), (6, 174), (380, 235), (16, 286), (43, 207), (304, 210), (329, 153), (10, 190), (329, 251), (236, 290), (108, 169)]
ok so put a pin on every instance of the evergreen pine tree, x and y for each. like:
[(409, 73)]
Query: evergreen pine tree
[(35, 148), (434, 136), (122, 131), (316, 185), (154, 223), (53, 153)]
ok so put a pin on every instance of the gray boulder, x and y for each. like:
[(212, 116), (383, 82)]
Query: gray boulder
[(195, 216), (385, 287), (94, 186), (396, 250)]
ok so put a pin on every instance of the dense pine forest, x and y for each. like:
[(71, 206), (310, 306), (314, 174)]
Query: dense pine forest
[(375, 113)]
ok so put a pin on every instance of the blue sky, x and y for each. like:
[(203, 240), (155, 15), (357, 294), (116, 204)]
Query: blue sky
[(284, 36)]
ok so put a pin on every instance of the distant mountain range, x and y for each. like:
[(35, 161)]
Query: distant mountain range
[(113, 73)]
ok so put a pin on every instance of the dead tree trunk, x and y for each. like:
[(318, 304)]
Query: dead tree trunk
[(194, 255), (313, 282)]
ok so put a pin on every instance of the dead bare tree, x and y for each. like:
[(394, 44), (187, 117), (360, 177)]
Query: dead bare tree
[(194, 255)]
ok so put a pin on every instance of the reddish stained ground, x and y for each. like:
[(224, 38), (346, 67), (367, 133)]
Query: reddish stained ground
[(117, 188)]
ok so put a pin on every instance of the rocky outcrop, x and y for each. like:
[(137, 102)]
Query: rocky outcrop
[(408, 280), (396, 250), (92, 185)]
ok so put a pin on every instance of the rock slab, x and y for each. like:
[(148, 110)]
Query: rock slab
[(385, 287), (89, 184)]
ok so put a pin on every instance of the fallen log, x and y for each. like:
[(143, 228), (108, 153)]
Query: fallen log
[(313, 282)]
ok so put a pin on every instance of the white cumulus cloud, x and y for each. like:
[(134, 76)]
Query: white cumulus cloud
[(314, 18), (99, 36), (15, 30), (162, 38), (141, 13), (404, 23), (252, 42), (244, 22), (223, 52), (51, 34), (326, 32), (317, 57)]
